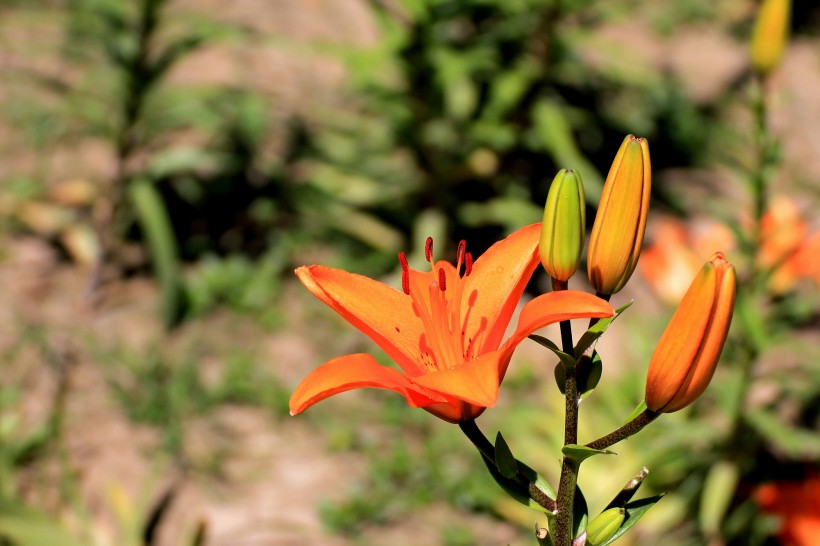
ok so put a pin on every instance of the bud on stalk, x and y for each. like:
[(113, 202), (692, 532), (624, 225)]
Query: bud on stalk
[(770, 34), (617, 234), (605, 525), (564, 226), (686, 355)]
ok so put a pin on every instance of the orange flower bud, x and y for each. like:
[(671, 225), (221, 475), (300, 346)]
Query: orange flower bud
[(685, 357), (617, 234), (770, 34)]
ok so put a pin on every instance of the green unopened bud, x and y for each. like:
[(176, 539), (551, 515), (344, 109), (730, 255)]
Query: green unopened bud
[(604, 526), (564, 226)]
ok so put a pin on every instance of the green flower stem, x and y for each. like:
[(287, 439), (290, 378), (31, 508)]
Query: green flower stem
[(487, 450), (629, 429), (569, 469), (484, 446)]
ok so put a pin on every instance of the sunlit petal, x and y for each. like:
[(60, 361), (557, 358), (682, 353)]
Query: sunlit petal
[(355, 372), (384, 314), (496, 283)]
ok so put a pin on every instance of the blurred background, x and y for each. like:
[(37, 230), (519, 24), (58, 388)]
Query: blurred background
[(166, 164)]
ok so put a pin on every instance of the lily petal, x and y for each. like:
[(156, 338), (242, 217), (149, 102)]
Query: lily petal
[(474, 382), (384, 314), (550, 308), (355, 371), (498, 278)]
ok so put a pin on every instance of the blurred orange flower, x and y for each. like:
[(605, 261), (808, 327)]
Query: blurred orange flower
[(679, 248), (798, 505), (444, 329)]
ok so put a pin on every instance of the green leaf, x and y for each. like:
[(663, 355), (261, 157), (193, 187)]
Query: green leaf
[(153, 219), (566, 359), (580, 512), (514, 488), (504, 458), (518, 488), (26, 527), (634, 511), (553, 133), (578, 453), (718, 491), (628, 491), (590, 336), (639, 409), (796, 443), (589, 372)]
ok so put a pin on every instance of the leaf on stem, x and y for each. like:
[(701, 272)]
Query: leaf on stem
[(504, 459), (596, 330), (635, 510), (578, 453)]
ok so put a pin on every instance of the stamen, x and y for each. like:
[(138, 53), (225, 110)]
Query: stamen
[(468, 264), (405, 273), (462, 248), (428, 249), (442, 280)]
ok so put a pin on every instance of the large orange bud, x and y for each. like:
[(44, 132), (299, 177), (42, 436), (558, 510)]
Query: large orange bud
[(617, 234), (685, 358)]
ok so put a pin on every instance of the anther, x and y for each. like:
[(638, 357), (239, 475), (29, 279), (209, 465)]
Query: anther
[(442, 280), (462, 248), (468, 264), (405, 273), (428, 249)]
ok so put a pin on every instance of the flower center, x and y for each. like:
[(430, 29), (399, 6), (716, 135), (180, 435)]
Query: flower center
[(445, 343)]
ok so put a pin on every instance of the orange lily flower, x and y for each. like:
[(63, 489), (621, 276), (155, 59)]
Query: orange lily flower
[(798, 504), (444, 329)]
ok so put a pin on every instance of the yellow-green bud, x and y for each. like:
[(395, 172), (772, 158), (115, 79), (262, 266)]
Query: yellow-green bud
[(605, 525), (770, 34), (564, 226)]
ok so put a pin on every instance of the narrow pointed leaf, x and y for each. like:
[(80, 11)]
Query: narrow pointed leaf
[(634, 511), (595, 331), (577, 453), (580, 513), (637, 411), (504, 458), (566, 359), (628, 491)]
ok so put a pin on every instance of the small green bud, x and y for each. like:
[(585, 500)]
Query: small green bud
[(564, 226), (604, 526)]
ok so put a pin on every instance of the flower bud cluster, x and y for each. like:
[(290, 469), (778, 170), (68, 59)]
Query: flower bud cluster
[(687, 354)]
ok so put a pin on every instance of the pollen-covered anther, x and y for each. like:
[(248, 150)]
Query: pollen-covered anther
[(442, 280), (405, 273)]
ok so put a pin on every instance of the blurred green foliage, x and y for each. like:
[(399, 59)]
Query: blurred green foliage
[(451, 125)]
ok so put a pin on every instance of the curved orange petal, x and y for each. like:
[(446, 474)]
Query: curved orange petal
[(455, 411), (550, 308), (475, 382), (355, 371), (498, 279), (384, 314)]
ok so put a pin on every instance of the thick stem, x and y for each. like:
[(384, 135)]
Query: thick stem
[(629, 429), (569, 470)]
